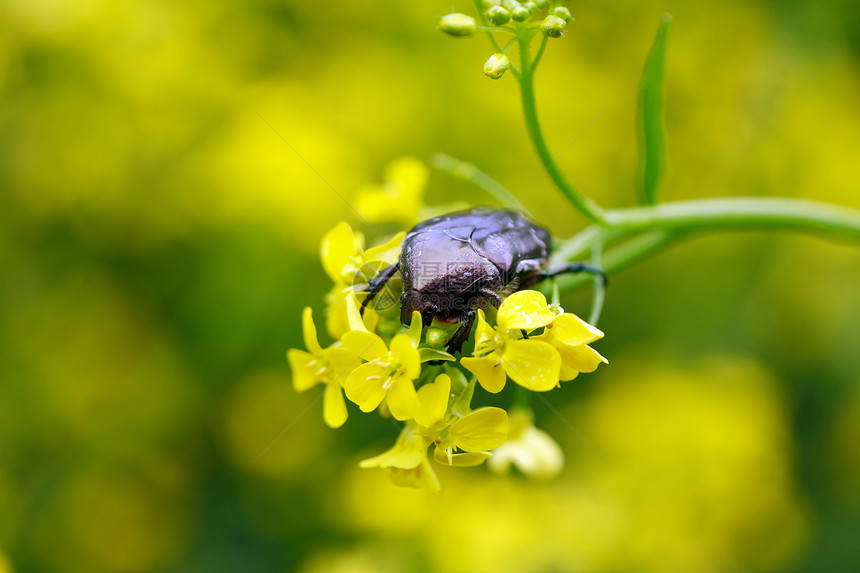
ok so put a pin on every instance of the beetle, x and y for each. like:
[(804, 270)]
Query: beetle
[(454, 264)]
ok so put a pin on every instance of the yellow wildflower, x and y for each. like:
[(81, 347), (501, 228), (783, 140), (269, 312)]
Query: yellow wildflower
[(501, 352), (329, 366), (388, 374), (346, 262), (531, 450), (399, 199), (570, 335), (475, 434), (407, 460)]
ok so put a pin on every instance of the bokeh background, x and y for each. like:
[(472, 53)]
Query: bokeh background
[(158, 242)]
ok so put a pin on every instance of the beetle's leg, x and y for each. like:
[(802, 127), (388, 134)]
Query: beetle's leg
[(455, 344), (491, 296), (375, 285), (564, 269)]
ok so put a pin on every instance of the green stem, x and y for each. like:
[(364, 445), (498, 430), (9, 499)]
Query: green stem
[(798, 214), (654, 227), (584, 204), (470, 173), (536, 63), (599, 286)]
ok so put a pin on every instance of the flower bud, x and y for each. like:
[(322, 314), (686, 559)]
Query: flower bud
[(562, 12), (457, 25), (520, 13), (496, 66), (436, 337), (487, 4), (531, 7), (552, 26), (541, 4), (498, 15)]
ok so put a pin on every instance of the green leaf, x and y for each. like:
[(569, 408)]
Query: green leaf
[(428, 354), (652, 138)]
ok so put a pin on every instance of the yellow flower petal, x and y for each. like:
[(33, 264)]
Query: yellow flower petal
[(570, 329), (484, 333), (402, 399), (417, 477), (408, 452), (387, 252), (433, 401), (304, 367), (353, 314), (567, 373), (395, 457), (341, 361), (309, 330), (364, 386), (534, 453), (334, 407), (483, 429), (405, 353), (467, 459), (532, 364), (489, 371), (365, 344), (339, 247), (581, 358), (414, 331), (340, 319), (526, 309)]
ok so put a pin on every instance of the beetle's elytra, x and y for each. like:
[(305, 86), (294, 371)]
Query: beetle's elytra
[(453, 264)]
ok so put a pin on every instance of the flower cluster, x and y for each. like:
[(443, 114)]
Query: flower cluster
[(406, 374), (513, 17)]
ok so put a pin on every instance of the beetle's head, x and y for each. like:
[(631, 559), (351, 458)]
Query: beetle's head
[(413, 300)]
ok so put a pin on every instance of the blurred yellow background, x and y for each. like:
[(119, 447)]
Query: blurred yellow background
[(158, 241)]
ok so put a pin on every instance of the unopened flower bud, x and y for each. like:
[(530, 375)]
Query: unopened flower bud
[(436, 337), (458, 25), (541, 4), (496, 66), (552, 26), (520, 13), (531, 7), (562, 12), (487, 4), (498, 15)]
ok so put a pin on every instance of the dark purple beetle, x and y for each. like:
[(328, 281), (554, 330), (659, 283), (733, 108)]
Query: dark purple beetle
[(454, 264)]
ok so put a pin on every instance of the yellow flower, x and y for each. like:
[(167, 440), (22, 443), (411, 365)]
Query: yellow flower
[(501, 352), (475, 434), (388, 374), (399, 199), (329, 366), (570, 335), (407, 460), (346, 262), (531, 450)]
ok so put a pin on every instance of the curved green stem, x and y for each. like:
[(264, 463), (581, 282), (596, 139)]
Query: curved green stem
[(654, 227), (588, 207), (800, 214), (599, 286)]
